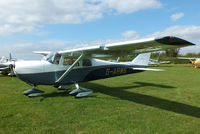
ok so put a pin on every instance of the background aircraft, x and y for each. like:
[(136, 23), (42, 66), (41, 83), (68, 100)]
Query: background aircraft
[(195, 61), (65, 68), (156, 62), (5, 65)]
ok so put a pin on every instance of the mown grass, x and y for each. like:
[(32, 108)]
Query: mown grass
[(145, 103)]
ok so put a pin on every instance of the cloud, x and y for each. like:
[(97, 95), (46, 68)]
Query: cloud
[(28, 15), (177, 16), (191, 49), (25, 50), (191, 32), (8, 29), (130, 6), (130, 34)]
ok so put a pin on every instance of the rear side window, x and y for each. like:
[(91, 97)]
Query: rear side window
[(87, 62)]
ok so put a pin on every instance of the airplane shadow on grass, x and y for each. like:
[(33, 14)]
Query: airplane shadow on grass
[(54, 94), (1, 75), (120, 92)]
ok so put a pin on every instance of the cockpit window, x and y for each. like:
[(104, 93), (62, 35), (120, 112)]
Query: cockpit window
[(53, 58), (56, 59), (49, 57)]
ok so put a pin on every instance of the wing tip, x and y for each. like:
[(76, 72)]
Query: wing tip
[(172, 40)]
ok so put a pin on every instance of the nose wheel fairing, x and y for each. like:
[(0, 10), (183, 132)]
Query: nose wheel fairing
[(33, 92)]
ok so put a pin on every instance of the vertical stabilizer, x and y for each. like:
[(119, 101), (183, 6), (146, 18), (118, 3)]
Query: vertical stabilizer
[(141, 59), (118, 59)]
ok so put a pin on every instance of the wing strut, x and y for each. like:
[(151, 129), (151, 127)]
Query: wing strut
[(69, 69)]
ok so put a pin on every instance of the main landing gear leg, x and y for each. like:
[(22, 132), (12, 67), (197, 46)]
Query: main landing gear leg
[(80, 92), (33, 92)]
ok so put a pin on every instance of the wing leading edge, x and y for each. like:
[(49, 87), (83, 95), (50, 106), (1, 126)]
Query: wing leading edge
[(130, 47)]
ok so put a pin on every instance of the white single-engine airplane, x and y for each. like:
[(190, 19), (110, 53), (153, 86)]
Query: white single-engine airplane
[(65, 68)]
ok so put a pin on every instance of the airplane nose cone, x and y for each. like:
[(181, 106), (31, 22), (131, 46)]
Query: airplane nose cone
[(17, 68), (28, 67), (33, 72), (28, 70), (12, 68)]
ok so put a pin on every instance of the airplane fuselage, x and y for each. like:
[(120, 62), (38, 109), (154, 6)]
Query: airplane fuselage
[(45, 73), (196, 62)]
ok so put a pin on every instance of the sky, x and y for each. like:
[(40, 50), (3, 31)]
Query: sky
[(53, 25)]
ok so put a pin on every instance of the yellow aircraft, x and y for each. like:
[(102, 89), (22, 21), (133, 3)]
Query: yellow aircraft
[(195, 61)]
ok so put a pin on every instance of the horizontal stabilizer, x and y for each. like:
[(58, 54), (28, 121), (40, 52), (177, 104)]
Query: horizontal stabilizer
[(148, 69)]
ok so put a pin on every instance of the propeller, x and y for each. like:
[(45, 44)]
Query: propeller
[(10, 57), (12, 68)]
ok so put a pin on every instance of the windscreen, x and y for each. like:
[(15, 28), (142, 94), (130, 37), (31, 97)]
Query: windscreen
[(53, 58)]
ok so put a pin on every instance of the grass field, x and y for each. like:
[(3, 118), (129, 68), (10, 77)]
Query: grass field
[(145, 103)]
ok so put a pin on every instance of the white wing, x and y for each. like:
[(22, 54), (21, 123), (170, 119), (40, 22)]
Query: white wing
[(130, 47), (45, 53)]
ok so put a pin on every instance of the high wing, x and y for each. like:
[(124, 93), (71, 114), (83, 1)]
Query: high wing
[(130, 47), (45, 53)]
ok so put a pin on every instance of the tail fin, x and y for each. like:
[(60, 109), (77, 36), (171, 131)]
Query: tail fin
[(141, 59), (118, 59)]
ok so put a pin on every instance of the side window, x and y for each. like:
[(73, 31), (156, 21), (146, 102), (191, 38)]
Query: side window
[(87, 62), (70, 61), (67, 61)]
